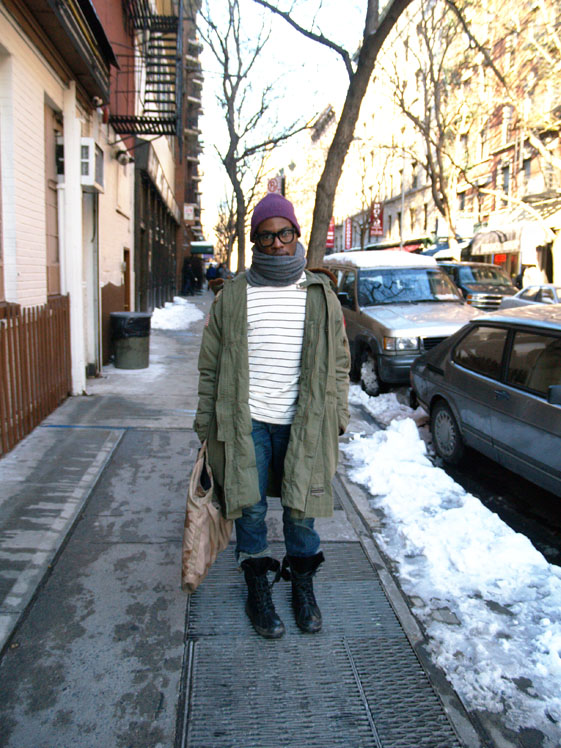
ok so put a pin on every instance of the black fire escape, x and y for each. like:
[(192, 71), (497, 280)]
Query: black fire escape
[(157, 73)]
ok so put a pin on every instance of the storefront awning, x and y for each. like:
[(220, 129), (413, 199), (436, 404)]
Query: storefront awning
[(521, 237), (202, 248), (492, 242)]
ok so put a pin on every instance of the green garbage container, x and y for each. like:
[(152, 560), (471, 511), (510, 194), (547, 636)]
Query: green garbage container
[(130, 335)]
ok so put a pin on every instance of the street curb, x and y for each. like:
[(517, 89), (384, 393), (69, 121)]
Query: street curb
[(355, 502)]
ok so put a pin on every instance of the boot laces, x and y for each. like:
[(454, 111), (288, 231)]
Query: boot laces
[(304, 590), (262, 599)]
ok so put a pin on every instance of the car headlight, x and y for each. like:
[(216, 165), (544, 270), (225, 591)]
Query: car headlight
[(401, 345), (471, 297)]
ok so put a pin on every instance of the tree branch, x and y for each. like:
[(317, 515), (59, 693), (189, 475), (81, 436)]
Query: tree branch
[(488, 59), (320, 38)]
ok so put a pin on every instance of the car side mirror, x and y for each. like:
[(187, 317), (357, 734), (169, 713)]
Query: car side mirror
[(554, 394)]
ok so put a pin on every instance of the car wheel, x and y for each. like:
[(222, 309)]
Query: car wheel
[(446, 436), (369, 379), (356, 360)]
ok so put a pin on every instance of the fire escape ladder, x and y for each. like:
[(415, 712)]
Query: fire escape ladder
[(160, 42)]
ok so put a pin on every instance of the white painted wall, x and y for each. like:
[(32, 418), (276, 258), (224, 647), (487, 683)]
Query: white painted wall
[(26, 82)]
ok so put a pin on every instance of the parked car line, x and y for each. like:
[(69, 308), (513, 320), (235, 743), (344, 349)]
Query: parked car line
[(545, 293), (495, 386), (396, 306), (482, 285)]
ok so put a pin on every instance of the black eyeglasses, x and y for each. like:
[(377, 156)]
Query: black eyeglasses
[(267, 238)]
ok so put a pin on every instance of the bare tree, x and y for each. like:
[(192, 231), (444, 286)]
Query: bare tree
[(246, 114), (432, 100), (226, 227), (521, 49), (376, 29), (370, 181), (225, 230), (502, 68)]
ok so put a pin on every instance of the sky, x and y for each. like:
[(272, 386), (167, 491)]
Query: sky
[(488, 600), (307, 78)]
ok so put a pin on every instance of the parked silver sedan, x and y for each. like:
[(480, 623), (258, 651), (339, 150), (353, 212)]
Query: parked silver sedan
[(547, 293), (495, 386)]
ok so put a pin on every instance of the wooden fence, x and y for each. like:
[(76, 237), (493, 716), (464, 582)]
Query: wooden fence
[(34, 366)]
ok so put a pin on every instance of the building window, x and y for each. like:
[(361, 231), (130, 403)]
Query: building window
[(414, 176), (506, 124), (527, 167), (425, 217), (483, 144), (389, 224), (399, 228), (506, 178), (412, 218), (464, 147), (462, 201)]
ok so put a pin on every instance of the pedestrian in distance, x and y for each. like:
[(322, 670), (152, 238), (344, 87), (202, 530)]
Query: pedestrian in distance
[(212, 272), (188, 279), (273, 400), (223, 271)]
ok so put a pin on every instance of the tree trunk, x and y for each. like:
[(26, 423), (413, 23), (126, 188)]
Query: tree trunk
[(240, 204), (327, 185), (240, 228)]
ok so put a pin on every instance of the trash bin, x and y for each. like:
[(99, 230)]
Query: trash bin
[(130, 334)]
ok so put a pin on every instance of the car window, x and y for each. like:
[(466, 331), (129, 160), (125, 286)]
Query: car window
[(448, 270), (482, 351), (547, 296), (530, 294), (404, 286), (489, 274), (347, 286), (535, 362), (339, 275)]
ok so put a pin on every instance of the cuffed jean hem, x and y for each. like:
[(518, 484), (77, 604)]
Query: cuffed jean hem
[(241, 556)]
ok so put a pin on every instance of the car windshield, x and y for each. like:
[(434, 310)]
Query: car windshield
[(494, 276), (404, 285)]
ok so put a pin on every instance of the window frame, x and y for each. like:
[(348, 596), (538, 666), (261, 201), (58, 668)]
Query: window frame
[(507, 353), (529, 331), (504, 358), (344, 275)]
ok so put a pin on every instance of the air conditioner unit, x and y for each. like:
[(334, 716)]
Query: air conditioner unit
[(91, 164)]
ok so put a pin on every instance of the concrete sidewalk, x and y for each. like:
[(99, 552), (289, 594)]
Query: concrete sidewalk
[(101, 647)]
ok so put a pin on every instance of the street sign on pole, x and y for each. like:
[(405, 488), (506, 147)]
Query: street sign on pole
[(274, 185)]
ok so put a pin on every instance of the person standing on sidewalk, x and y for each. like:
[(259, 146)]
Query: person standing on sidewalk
[(273, 392)]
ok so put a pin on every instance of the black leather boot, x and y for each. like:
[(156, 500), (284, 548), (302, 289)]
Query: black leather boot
[(259, 606), (304, 604)]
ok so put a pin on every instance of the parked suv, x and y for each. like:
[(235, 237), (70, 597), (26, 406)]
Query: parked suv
[(396, 306), (482, 285)]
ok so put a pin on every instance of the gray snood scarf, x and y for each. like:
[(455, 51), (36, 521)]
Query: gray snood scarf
[(273, 270)]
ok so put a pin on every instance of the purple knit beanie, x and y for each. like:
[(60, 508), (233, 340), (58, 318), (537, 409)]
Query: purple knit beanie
[(273, 205)]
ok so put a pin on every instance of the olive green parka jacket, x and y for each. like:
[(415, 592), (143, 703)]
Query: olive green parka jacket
[(223, 416)]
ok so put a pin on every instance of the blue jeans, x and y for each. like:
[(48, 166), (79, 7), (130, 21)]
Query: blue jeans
[(300, 538)]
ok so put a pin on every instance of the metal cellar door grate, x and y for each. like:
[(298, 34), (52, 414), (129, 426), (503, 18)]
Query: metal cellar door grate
[(356, 684)]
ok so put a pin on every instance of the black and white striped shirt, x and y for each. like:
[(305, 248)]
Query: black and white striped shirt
[(275, 330)]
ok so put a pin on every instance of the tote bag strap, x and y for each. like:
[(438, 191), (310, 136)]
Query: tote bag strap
[(201, 463)]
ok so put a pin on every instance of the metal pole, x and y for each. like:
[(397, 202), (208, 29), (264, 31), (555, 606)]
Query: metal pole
[(402, 199)]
